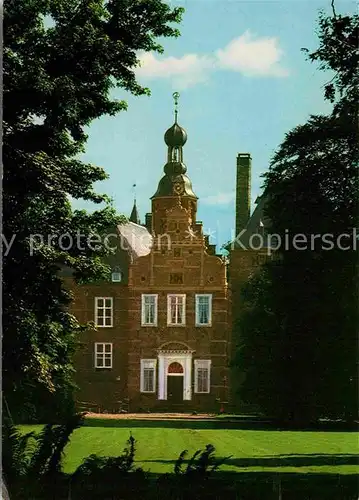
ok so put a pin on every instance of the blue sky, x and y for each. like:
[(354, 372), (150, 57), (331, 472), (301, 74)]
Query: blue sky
[(244, 82)]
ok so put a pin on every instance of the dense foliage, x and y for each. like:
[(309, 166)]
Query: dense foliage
[(62, 58), (298, 326)]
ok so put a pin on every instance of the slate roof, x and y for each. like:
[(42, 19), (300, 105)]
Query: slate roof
[(258, 223), (135, 239), (134, 217)]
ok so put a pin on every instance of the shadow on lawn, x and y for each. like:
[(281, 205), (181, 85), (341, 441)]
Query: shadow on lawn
[(291, 460), (245, 424)]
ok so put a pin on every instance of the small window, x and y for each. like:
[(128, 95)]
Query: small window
[(116, 276), (176, 309), (149, 310), (202, 376), (177, 252), (104, 312), (203, 310), (148, 375), (103, 355)]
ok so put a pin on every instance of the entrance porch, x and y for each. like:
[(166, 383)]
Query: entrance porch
[(175, 376)]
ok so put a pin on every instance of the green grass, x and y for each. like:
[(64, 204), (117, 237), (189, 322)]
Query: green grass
[(160, 443)]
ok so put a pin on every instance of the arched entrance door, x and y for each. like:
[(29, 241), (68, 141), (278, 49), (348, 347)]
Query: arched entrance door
[(175, 374), (171, 354)]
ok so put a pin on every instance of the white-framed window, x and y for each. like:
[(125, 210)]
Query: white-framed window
[(116, 276), (203, 309), (103, 355), (104, 312), (176, 309), (148, 375), (149, 310), (202, 376)]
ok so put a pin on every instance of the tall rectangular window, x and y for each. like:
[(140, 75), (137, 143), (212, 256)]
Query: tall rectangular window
[(149, 310), (148, 375), (176, 309), (202, 372), (103, 355), (203, 310), (104, 312)]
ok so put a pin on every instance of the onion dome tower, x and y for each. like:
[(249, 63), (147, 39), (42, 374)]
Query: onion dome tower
[(175, 187), (175, 181)]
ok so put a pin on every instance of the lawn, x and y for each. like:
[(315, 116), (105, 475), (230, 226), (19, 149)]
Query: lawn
[(160, 442)]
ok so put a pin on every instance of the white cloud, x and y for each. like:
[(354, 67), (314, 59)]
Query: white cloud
[(247, 54), (219, 198), (252, 56), (185, 71)]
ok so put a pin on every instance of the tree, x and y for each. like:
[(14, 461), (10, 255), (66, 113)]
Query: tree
[(61, 61), (298, 327)]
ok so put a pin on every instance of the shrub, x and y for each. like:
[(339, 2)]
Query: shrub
[(103, 477), (191, 480), (30, 461)]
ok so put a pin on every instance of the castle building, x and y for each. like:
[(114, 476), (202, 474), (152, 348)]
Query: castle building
[(162, 337)]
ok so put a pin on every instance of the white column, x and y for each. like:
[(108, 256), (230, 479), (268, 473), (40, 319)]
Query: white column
[(161, 377), (187, 382)]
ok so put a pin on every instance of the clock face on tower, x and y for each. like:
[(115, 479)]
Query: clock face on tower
[(177, 188)]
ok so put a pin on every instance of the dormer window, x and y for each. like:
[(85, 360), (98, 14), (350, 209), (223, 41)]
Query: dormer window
[(116, 276)]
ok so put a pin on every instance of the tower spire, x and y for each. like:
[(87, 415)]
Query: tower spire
[(134, 217), (175, 182), (175, 96)]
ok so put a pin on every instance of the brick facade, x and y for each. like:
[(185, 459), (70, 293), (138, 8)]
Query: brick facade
[(176, 361), (180, 262)]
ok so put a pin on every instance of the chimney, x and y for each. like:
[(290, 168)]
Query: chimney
[(148, 222), (243, 191)]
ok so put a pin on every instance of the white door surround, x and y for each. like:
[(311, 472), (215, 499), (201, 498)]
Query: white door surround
[(184, 358)]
